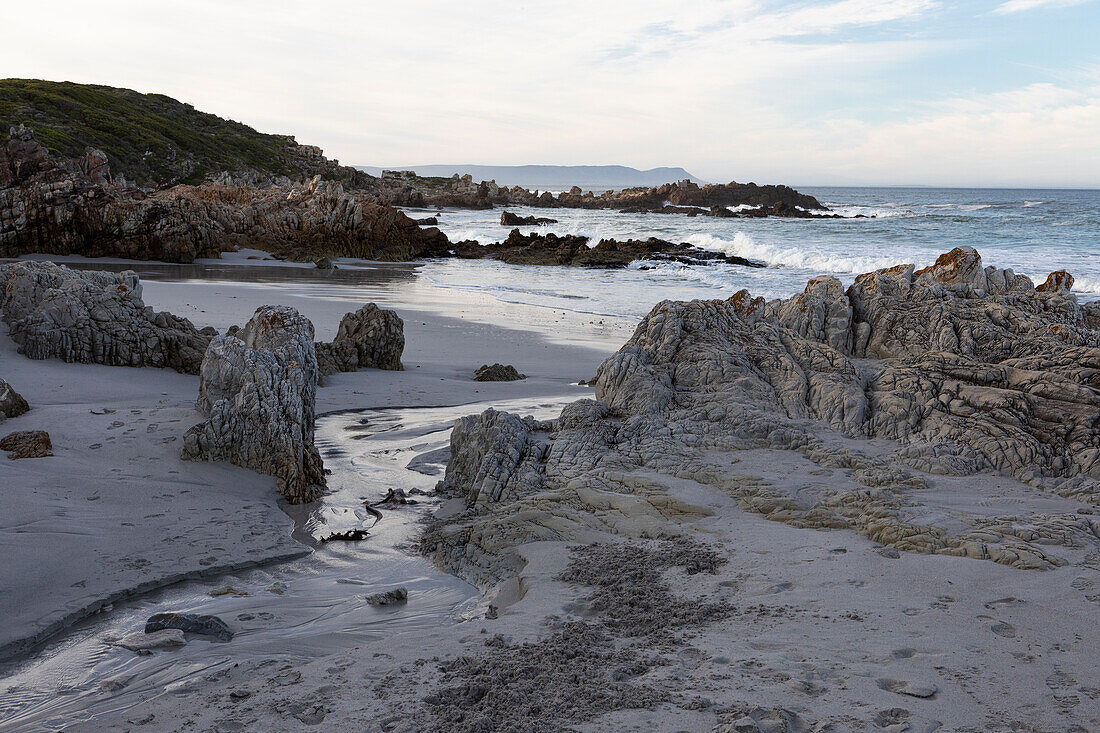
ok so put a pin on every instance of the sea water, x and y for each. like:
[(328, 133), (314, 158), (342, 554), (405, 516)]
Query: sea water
[(1031, 231)]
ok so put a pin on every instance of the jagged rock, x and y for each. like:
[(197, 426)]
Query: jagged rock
[(93, 318), (371, 338), (324, 263), (12, 403), (427, 221), (190, 623), (69, 207), (573, 250), (258, 391), (508, 219), (389, 598), (1057, 282), (497, 373), (967, 369), (27, 444)]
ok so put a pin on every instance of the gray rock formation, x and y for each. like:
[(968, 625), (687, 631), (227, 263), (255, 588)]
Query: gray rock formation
[(258, 391), (497, 373), (371, 338), (12, 403), (53, 311), (967, 369)]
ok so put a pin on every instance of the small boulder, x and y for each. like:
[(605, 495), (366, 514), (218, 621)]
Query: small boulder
[(12, 403), (189, 623), (389, 598), (497, 373), (27, 444), (324, 263), (508, 219), (1058, 281)]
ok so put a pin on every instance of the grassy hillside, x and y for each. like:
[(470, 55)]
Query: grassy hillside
[(150, 138)]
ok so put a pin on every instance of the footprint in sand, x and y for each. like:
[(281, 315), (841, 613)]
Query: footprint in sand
[(1003, 602), (1002, 629), (779, 587), (1063, 689)]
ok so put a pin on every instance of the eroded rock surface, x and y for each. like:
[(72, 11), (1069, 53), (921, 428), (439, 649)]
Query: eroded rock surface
[(371, 337), (964, 369), (27, 444), (89, 317), (12, 403), (258, 391)]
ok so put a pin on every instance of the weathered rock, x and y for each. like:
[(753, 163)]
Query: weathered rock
[(389, 598), (1059, 281), (12, 403), (968, 370), (371, 338), (508, 219), (573, 250), (27, 444), (258, 391), (190, 623), (497, 373), (69, 207), (90, 317)]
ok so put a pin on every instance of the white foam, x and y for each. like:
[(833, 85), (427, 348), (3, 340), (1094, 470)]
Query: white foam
[(743, 245)]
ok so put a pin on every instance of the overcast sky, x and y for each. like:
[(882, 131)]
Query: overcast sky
[(932, 92)]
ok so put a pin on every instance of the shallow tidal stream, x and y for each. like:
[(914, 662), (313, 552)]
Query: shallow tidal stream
[(297, 611)]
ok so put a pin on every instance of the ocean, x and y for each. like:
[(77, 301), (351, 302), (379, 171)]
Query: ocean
[(1031, 231)]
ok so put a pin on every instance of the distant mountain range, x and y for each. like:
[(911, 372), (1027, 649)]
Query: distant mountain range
[(552, 177)]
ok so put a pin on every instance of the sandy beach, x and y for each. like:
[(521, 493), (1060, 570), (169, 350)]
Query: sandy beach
[(796, 628)]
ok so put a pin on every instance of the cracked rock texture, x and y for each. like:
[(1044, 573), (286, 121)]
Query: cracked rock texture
[(71, 207), (12, 403), (258, 390), (53, 311), (371, 337), (964, 369)]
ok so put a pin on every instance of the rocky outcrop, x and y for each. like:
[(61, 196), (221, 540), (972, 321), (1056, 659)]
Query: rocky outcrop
[(967, 370), (258, 391), (497, 373), (91, 317), (573, 250), (508, 219), (12, 403), (27, 444), (371, 338), (68, 207)]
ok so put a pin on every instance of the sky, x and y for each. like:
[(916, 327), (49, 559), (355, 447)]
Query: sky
[(834, 92)]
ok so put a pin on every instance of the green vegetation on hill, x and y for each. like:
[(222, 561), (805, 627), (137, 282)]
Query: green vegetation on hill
[(149, 138)]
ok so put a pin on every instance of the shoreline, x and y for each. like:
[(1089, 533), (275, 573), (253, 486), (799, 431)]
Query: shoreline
[(439, 359)]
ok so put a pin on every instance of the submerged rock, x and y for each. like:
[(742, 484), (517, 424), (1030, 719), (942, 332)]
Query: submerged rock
[(165, 638), (190, 623), (258, 391), (497, 373), (89, 317), (371, 338), (27, 444), (12, 403)]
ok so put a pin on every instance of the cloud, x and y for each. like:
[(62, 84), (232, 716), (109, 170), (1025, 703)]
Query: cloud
[(1019, 6)]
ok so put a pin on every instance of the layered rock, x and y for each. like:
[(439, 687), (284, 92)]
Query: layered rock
[(69, 208), (968, 370), (12, 403), (90, 317), (573, 250), (258, 391), (371, 338), (27, 444)]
